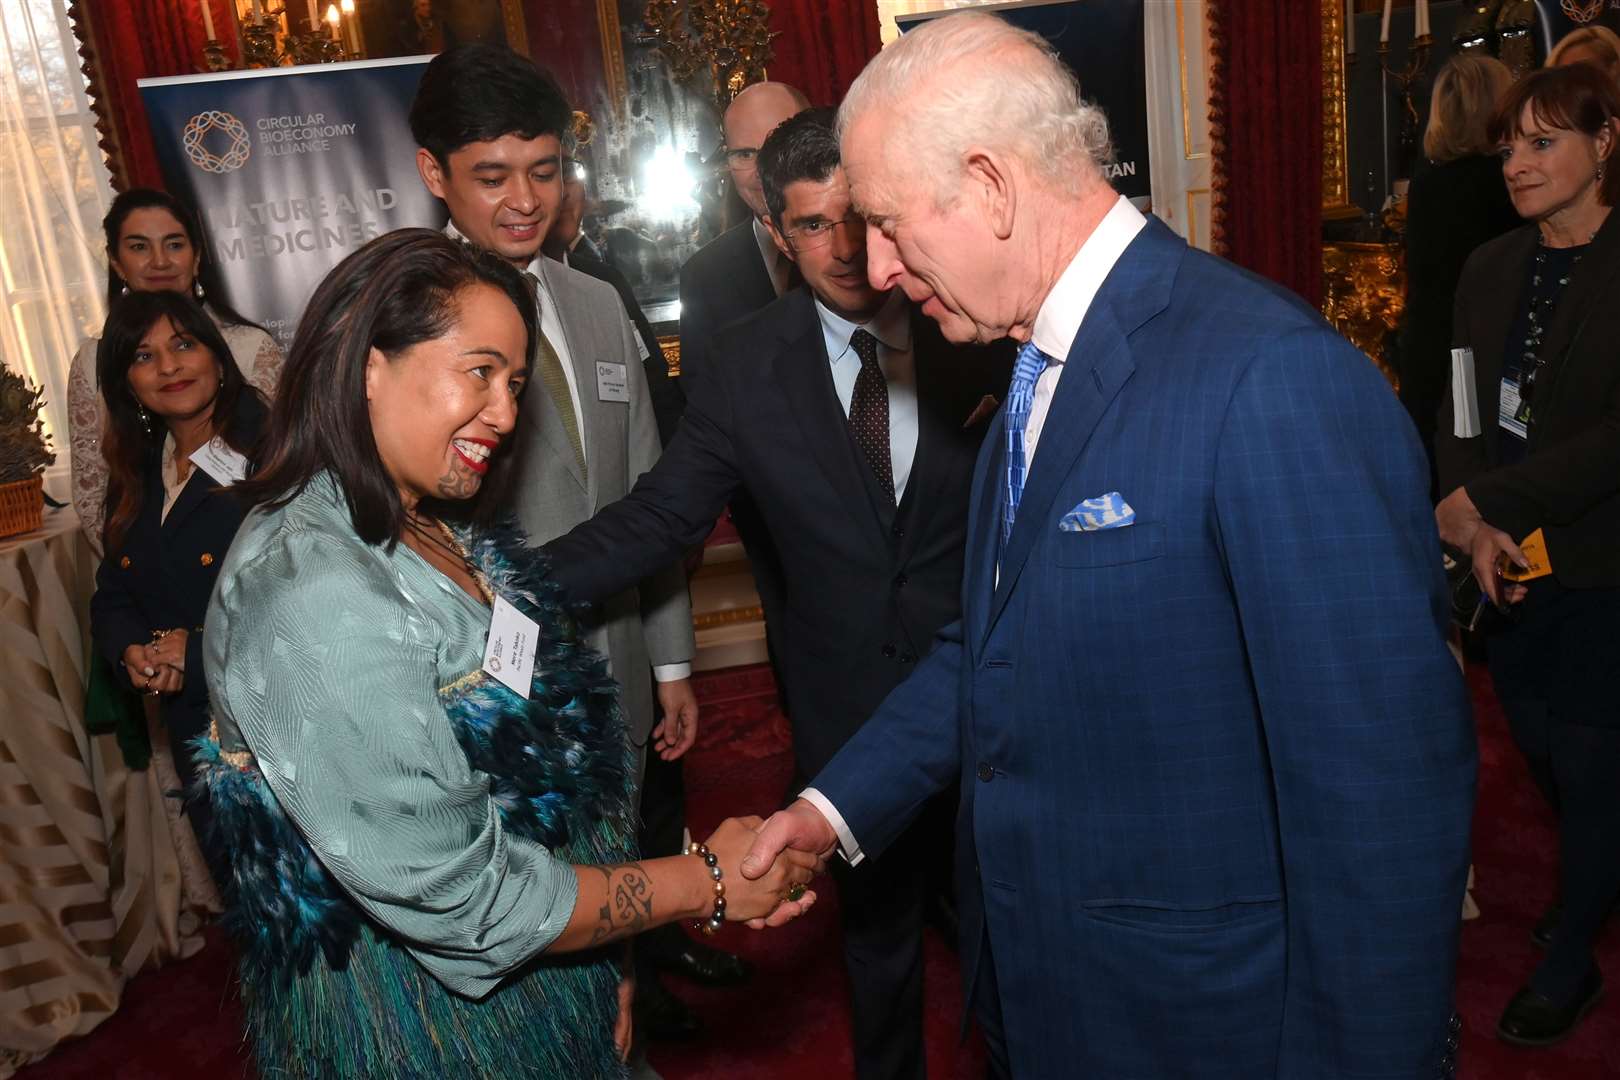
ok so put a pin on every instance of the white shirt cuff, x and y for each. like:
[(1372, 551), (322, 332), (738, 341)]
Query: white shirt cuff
[(672, 672), (847, 847)]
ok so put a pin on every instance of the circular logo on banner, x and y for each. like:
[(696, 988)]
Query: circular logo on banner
[(206, 132)]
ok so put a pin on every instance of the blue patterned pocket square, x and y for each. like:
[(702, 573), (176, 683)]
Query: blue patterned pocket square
[(1109, 511)]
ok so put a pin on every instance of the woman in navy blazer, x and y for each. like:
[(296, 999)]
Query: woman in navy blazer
[(171, 389)]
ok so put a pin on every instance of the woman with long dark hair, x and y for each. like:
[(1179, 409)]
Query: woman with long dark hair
[(1538, 313), (154, 243), (428, 845), (182, 424)]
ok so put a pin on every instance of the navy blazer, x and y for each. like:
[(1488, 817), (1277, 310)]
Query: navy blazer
[(1217, 768), (862, 585), (162, 573)]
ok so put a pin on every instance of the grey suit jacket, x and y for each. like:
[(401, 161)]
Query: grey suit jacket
[(648, 625)]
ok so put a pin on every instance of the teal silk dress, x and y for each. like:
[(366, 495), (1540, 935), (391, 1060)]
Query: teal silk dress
[(395, 875)]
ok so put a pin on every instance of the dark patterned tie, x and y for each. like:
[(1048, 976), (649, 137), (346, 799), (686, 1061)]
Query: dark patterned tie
[(869, 411)]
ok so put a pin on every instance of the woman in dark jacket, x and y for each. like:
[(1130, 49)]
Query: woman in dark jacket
[(1456, 204), (1538, 319), (182, 426)]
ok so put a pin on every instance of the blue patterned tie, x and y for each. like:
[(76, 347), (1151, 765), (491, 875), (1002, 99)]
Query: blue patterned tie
[(1020, 398)]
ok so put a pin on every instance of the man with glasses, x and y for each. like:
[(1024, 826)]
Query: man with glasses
[(742, 270), (852, 426)]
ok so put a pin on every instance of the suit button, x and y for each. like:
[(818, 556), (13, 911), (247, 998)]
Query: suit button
[(907, 658), (888, 651), (207, 559), (123, 563), (986, 773), (900, 581), (897, 532)]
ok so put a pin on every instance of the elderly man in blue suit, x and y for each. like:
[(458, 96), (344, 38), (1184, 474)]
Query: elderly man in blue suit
[(1216, 763)]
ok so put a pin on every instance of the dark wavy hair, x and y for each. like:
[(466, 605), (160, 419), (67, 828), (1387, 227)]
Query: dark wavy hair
[(129, 442), (397, 291), (1577, 97), (208, 276), (802, 147), (478, 93)]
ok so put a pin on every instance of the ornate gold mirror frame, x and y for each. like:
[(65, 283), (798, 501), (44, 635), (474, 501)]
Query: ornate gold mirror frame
[(1363, 285)]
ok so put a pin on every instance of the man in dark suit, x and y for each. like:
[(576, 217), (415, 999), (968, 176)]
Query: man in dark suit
[(853, 427), (742, 269), (737, 274), (1216, 761)]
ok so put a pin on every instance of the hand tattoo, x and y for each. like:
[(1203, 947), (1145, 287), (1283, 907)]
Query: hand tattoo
[(627, 910)]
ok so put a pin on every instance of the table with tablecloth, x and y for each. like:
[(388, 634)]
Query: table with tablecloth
[(100, 877)]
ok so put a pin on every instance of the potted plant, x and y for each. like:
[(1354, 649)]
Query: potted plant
[(25, 450)]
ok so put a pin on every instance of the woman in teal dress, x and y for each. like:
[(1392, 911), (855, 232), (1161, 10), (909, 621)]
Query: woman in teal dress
[(432, 873)]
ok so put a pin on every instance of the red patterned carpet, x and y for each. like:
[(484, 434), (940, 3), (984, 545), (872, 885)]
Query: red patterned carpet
[(792, 1023)]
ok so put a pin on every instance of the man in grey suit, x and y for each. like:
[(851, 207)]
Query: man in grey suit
[(489, 126)]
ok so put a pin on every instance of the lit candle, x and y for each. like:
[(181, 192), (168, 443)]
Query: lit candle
[(208, 19), (1383, 30), (332, 22), (258, 13), (1350, 26), (351, 31), (315, 18)]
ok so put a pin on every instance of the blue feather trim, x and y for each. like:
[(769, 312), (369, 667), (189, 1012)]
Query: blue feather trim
[(561, 773)]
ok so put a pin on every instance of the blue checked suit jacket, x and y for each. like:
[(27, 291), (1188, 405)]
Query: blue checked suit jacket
[(1217, 766)]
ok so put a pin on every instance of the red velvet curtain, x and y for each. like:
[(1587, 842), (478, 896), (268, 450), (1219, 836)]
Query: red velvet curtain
[(824, 45), (139, 39), (1266, 125)]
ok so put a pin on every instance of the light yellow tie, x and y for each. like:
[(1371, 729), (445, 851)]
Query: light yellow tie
[(556, 383)]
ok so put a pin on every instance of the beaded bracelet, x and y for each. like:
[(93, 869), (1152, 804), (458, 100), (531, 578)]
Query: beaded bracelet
[(714, 922)]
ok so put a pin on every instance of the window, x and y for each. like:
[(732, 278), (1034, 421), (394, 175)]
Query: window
[(56, 190)]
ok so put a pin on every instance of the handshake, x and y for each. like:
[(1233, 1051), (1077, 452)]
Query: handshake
[(760, 869)]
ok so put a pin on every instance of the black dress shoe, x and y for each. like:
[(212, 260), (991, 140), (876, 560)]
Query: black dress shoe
[(1541, 934), (1532, 1020), (705, 964), (660, 1016)]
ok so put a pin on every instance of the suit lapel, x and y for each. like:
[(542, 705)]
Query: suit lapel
[(805, 374), (551, 429), (934, 436), (1098, 366)]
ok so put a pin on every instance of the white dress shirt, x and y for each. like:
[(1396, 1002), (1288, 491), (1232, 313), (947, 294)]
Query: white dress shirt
[(892, 328), (777, 265), (1057, 324)]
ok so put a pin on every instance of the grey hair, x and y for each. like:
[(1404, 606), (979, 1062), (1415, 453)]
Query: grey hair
[(972, 79)]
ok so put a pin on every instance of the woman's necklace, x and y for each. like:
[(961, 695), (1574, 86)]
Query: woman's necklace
[(1542, 304), (440, 539), (1581, 13)]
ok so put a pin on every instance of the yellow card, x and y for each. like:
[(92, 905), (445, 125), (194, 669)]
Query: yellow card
[(1534, 547)]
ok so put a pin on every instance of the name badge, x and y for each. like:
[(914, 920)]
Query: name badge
[(612, 382), (509, 652), (1512, 413), (218, 460)]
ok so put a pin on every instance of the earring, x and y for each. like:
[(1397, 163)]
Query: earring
[(197, 289), (146, 419), (1600, 174)]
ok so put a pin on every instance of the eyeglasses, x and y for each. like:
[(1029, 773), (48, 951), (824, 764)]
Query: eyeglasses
[(818, 234)]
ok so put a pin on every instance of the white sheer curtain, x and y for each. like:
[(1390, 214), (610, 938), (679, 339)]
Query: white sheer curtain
[(54, 190)]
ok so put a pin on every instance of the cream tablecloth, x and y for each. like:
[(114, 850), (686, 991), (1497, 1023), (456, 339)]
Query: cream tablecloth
[(99, 873)]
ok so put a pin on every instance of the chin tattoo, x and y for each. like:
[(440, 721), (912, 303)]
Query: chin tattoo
[(458, 484)]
